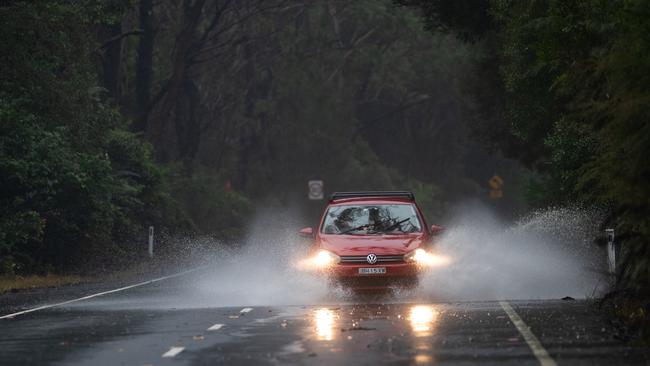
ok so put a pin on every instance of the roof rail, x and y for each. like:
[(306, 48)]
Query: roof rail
[(341, 195)]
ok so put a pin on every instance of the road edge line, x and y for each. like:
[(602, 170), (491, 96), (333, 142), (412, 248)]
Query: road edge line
[(48, 306), (533, 342)]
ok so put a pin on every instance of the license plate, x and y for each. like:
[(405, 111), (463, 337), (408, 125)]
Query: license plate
[(373, 270)]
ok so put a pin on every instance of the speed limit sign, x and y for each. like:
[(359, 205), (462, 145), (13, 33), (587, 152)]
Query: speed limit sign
[(315, 189)]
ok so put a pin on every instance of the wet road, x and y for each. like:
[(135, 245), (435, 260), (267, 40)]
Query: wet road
[(151, 325)]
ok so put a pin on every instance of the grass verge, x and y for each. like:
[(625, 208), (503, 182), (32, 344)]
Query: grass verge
[(15, 283), (630, 314), (139, 271)]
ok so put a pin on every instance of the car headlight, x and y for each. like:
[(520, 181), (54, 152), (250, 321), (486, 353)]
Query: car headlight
[(417, 255), (424, 258), (325, 258)]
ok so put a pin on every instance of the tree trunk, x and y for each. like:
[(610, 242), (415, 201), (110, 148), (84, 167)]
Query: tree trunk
[(111, 59), (144, 65), (174, 120)]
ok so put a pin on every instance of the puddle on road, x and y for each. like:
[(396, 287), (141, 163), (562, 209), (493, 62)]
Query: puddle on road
[(549, 254)]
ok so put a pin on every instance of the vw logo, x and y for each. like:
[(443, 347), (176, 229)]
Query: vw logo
[(371, 258)]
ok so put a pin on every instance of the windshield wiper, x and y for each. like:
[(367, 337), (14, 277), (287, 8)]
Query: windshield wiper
[(368, 226), (356, 228), (377, 226), (396, 224)]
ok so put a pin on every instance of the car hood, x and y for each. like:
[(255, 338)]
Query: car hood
[(365, 244)]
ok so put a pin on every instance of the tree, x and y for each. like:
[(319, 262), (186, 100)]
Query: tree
[(584, 77), (74, 182)]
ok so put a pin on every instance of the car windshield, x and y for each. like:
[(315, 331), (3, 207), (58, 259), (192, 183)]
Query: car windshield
[(371, 219)]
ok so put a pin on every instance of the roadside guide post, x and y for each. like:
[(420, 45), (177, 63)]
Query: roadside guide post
[(611, 250), (150, 241)]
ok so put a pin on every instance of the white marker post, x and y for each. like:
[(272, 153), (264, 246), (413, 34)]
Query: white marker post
[(150, 241), (611, 250)]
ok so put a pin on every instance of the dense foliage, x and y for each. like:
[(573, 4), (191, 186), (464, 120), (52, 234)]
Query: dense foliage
[(571, 103), (269, 94), (576, 75), (75, 184)]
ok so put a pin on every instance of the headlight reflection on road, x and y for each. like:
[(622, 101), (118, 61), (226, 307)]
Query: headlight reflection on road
[(324, 320), (422, 318)]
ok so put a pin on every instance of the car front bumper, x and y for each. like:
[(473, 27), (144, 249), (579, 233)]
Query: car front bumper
[(397, 275)]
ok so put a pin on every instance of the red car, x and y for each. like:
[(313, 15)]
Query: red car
[(372, 240)]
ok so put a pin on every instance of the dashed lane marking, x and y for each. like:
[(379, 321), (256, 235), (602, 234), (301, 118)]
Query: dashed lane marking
[(173, 351), (535, 345), (8, 316), (215, 327)]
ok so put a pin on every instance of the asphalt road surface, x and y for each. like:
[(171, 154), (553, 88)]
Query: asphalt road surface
[(133, 326)]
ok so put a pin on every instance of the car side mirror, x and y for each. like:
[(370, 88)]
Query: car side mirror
[(436, 230), (306, 232)]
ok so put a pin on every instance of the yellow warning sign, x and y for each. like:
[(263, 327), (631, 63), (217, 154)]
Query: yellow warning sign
[(495, 187), (495, 182)]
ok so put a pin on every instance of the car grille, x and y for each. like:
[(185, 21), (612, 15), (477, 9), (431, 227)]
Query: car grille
[(351, 259)]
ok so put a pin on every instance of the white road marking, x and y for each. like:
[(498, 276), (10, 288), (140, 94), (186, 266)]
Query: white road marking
[(101, 293), (216, 327), (535, 345), (173, 351), (245, 310)]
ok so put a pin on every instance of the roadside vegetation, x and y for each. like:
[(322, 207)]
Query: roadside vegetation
[(590, 63), (188, 115), (573, 103), (16, 283)]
